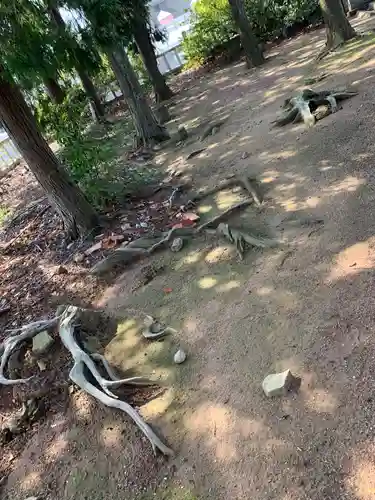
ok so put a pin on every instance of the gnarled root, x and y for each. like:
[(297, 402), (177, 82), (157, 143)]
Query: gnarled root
[(84, 367), (240, 239), (303, 106), (10, 344)]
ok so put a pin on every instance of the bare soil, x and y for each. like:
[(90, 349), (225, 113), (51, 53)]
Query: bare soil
[(307, 306)]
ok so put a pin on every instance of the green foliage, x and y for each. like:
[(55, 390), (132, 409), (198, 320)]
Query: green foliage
[(213, 27), (92, 154)]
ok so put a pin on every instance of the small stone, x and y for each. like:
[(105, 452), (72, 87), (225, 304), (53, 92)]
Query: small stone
[(279, 384), (79, 258), (177, 244), (42, 342), (179, 357), (59, 270)]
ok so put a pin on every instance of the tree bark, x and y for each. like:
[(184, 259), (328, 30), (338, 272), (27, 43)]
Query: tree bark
[(147, 52), (147, 127), (87, 84), (91, 93), (18, 121), (338, 28), (54, 89), (254, 54)]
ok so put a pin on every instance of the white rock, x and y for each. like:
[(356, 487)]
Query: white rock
[(179, 357), (279, 384), (177, 244), (42, 342)]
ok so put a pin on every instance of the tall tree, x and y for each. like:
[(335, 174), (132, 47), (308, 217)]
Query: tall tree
[(78, 55), (147, 127), (338, 28), (254, 54), (18, 121), (110, 23), (54, 89), (142, 38)]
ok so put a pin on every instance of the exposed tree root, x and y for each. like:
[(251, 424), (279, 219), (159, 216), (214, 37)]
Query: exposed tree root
[(84, 373), (240, 239), (304, 106), (10, 344), (215, 221), (146, 246), (247, 183)]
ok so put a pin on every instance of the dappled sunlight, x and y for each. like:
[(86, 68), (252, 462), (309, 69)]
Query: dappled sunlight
[(268, 156), (31, 481), (207, 282), (219, 254), (214, 424), (226, 199), (204, 209), (353, 260), (321, 401), (227, 287), (57, 447), (349, 184), (159, 406), (362, 480), (264, 291), (111, 436), (191, 258)]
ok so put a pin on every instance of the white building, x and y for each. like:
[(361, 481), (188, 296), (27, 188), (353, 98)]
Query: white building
[(172, 16)]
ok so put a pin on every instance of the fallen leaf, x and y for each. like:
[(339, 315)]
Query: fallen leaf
[(190, 216)]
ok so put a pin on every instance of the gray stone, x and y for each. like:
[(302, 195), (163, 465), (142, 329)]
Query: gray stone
[(177, 244), (179, 357), (278, 384), (42, 342)]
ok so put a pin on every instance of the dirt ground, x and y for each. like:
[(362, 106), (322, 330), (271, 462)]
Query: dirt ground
[(307, 306)]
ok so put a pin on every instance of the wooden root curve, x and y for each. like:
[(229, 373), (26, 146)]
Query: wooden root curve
[(84, 373)]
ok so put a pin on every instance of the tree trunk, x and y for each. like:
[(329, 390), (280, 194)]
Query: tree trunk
[(91, 93), (54, 89), (338, 28), (147, 127), (146, 50), (18, 121), (87, 84), (254, 54)]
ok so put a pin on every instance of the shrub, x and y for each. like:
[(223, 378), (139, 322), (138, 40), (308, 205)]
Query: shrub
[(212, 24), (92, 154)]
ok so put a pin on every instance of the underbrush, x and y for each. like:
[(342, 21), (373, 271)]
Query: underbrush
[(94, 154)]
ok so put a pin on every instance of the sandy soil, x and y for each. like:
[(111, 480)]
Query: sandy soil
[(307, 306)]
